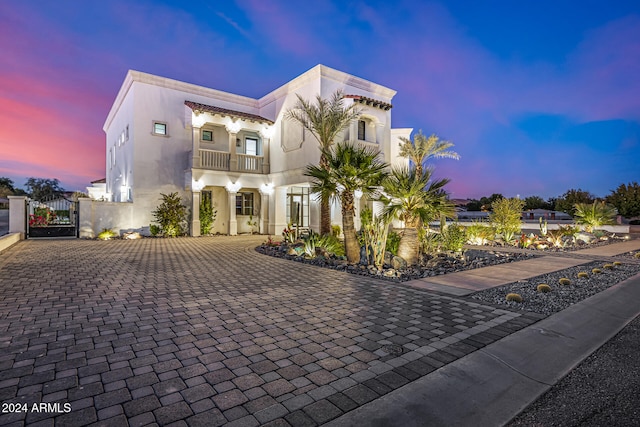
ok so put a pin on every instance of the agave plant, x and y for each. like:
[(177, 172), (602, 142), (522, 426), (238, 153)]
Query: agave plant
[(596, 214)]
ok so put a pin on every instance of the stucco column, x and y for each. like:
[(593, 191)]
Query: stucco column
[(195, 213), (85, 217), (233, 155), (195, 147), (278, 221), (265, 192), (266, 142), (353, 131), (18, 215), (233, 222)]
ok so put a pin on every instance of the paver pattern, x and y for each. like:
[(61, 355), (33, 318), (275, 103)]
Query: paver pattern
[(205, 332)]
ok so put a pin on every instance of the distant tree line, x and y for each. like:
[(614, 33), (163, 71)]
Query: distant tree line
[(36, 188), (625, 198)]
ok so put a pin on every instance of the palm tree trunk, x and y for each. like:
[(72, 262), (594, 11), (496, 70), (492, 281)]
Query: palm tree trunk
[(351, 245), (408, 246), (325, 208)]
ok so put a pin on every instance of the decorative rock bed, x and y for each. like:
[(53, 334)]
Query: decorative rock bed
[(442, 263), (560, 296)]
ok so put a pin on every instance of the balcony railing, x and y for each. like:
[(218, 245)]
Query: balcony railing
[(211, 159), (247, 163), (221, 160)]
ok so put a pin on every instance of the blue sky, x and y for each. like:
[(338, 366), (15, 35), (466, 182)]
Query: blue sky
[(538, 97)]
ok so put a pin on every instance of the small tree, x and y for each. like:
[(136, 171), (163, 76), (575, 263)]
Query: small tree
[(596, 214), (506, 217), (626, 198), (171, 215)]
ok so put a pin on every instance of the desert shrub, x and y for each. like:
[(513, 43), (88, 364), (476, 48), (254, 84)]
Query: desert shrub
[(393, 240), (617, 263), (636, 255), (107, 234), (430, 241), (506, 217), (608, 266), (373, 235), (310, 241), (171, 215), (453, 238), (331, 244), (596, 214), (583, 275), (596, 271), (514, 297), (564, 281), (480, 234), (543, 287)]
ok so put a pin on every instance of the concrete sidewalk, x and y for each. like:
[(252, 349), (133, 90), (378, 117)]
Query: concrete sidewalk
[(467, 282)]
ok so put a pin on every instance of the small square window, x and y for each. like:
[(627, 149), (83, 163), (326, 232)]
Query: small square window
[(159, 128), (207, 135)]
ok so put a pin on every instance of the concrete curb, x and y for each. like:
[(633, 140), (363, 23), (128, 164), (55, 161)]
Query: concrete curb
[(492, 385), (9, 240)]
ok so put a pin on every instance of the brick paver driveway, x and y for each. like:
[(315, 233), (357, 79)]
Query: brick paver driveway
[(205, 331)]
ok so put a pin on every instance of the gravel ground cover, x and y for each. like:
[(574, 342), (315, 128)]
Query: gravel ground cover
[(629, 255), (561, 296), (601, 391), (430, 265)]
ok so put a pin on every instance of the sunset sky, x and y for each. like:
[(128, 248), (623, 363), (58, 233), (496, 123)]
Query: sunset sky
[(538, 97)]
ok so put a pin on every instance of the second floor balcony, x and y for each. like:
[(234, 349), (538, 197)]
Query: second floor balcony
[(225, 161)]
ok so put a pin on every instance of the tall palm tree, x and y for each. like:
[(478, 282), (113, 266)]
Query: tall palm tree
[(325, 119), (414, 199), (348, 168), (424, 148)]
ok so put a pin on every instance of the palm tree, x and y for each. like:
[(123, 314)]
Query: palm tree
[(593, 215), (423, 148), (348, 168), (414, 199), (325, 120)]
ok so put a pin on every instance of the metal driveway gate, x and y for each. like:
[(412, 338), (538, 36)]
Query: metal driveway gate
[(54, 217)]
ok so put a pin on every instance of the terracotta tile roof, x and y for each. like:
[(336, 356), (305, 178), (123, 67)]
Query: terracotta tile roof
[(99, 181), (370, 101), (195, 106)]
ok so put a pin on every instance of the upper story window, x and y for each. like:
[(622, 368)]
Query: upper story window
[(251, 146), (160, 128), (207, 135), (362, 129)]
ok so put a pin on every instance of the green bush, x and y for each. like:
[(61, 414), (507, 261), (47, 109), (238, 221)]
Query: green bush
[(154, 229), (335, 230), (207, 216), (453, 238), (171, 215), (506, 217)]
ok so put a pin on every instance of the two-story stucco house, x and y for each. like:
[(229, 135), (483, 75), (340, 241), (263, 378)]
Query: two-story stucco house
[(238, 153)]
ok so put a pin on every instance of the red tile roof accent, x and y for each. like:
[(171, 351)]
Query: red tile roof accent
[(370, 101), (195, 106)]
